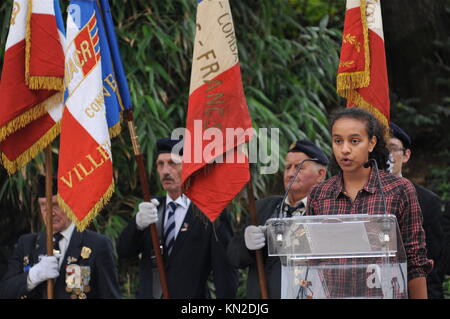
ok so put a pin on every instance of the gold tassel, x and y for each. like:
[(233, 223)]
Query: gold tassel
[(45, 83), (114, 130), (37, 82), (14, 165), (29, 116), (353, 80), (28, 41), (83, 224)]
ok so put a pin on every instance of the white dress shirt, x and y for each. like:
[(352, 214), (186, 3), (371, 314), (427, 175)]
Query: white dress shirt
[(64, 242), (180, 212)]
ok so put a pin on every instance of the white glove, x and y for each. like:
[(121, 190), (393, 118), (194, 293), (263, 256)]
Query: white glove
[(147, 214), (46, 268), (254, 237)]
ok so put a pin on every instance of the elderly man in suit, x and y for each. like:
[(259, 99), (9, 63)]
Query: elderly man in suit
[(242, 247), (193, 247), (83, 263), (399, 146)]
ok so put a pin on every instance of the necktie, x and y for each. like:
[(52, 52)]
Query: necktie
[(295, 211), (56, 238), (169, 228)]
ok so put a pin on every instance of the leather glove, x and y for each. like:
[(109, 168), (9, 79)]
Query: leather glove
[(147, 214), (46, 268), (254, 237)]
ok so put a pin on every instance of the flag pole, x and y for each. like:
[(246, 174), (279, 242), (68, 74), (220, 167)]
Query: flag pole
[(49, 215), (259, 256), (143, 178)]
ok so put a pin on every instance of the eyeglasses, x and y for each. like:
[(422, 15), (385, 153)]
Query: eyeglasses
[(394, 148)]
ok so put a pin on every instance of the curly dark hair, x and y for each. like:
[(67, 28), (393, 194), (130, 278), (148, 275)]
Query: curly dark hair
[(374, 128)]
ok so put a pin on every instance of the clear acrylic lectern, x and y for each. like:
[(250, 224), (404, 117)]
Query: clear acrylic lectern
[(339, 256)]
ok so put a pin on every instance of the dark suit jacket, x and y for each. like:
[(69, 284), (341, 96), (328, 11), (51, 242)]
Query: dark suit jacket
[(446, 245), (430, 204), (103, 282), (241, 257), (199, 249)]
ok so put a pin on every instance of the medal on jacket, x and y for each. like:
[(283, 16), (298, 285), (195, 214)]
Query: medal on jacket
[(185, 227), (26, 263), (77, 280), (85, 252)]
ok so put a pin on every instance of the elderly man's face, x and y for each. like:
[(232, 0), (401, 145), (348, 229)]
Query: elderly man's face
[(59, 218), (169, 170), (308, 176)]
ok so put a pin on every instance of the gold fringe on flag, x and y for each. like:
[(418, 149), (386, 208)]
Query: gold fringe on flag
[(347, 82), (115, 130), (32, 114), (37, 82), (83, 224), (360, 102), (16, 164)]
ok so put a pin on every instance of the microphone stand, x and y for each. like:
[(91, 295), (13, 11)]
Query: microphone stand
[(385, 228), (279, 227), (280, 212)]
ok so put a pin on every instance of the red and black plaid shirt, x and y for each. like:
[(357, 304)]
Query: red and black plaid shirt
[(328, 198)]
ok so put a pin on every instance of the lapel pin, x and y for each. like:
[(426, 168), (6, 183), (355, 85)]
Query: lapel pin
[(85, 252), (185, 227)]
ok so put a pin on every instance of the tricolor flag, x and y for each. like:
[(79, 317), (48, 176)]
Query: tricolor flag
[(33, 71), (362, 74), (85, 180), (218, 122)]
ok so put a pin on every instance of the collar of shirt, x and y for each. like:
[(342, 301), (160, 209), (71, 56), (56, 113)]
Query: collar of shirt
[(370, 187), (183, 205), (67, 233), (304, 200), (64, 242), (182, 201)]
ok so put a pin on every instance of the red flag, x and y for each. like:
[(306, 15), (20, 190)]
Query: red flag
[(217, 107), (362, 74), (33, 72)]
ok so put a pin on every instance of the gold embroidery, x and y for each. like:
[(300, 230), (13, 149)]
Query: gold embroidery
[(15, 12), (346, 64), (348, 38)]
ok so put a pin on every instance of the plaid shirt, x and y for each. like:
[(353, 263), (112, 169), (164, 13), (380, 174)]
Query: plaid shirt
[(328, 198)]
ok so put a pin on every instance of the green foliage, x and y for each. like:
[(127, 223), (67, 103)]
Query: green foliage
[(288, 63)]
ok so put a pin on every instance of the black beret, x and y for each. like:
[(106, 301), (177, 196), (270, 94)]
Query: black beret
[(166, 144), (397, 132), (309, 149), (41, 186)]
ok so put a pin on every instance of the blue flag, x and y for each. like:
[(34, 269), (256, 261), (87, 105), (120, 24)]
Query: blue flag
[(115, 55)]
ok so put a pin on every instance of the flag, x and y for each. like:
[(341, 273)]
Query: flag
[(362, 74), (217, 106), (115, 86), (31, 107), (124, 92), (85, 179), (33, 72)]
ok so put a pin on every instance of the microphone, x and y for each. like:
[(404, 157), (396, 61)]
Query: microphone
[(372, 162), (280, 226), (386, 225), (369, 163), (280, 213)]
